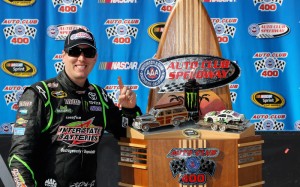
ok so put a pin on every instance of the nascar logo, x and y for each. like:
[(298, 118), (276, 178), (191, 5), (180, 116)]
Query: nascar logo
[(118, 66)]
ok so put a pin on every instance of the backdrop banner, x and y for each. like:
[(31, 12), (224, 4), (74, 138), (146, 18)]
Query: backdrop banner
[(261, 36)]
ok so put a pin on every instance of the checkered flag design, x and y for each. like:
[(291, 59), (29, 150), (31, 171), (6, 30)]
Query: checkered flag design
[(113, 95), (264, 36), (10, 98), (230, 30), (173, 87), (111, 31), (177, 166), (233, 96), (78, 2), (279, 64), (9, 31), (277, 1), (259, 64), (259, 126), (57, 2), (158, 2), (278, 126), (59, 66), (257, 1), (30, 31), (132, 31)]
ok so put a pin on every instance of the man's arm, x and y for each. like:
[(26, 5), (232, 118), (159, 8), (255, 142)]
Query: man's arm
[(26, 134)]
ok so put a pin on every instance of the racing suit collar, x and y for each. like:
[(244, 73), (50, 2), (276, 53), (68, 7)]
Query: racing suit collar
[(66, 82)]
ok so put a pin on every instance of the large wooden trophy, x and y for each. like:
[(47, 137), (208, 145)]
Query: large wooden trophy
[(190, 136)]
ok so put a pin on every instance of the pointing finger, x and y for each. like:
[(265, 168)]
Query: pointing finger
[(120, 82)]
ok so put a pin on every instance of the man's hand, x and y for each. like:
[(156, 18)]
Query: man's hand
[(127, 97)]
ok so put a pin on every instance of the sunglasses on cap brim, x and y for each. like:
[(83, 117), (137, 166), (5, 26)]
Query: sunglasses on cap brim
[(89, 52)]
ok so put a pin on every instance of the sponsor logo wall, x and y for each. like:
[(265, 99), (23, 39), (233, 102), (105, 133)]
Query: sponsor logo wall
[(261, 36)]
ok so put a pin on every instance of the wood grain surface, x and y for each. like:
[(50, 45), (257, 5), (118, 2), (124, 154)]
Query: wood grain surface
[(189, 30)]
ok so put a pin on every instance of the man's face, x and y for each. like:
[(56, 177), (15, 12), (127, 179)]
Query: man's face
[(78, 68)]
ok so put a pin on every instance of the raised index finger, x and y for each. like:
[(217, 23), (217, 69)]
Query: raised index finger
[(120, 82)]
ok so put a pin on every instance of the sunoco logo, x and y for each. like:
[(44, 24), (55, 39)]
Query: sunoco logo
[(155, 31), (209, 71), (268, 99), (18, 68), (268, 30), (20, 2), (191, 133)]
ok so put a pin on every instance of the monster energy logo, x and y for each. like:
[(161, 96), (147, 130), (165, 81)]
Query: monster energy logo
[(85, 106), (191, 99)]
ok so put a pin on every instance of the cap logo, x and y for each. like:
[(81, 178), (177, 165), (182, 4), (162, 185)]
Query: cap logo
[(81, 35)]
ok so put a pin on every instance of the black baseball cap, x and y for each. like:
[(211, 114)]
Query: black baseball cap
[(79, 36)]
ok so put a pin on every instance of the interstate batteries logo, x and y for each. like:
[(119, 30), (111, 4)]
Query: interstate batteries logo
[(270, 63), (267, 5), (165, 5), (79, 133), (267, 99), (67, 6), (20, 2), (19, 31), (122, 31), (224, 29), (268, 30), (60, 32)]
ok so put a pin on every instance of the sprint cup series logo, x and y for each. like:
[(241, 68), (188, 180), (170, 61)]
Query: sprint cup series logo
[(223, 30), (268, 30), (20, 2), (60, 32), (19, 30), (122, 31), (166, 5), (267, 99), (192, 165), (267, 5), (67, 6), (270, 64), (79, 133)]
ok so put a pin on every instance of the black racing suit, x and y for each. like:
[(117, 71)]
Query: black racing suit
[(57, 129)]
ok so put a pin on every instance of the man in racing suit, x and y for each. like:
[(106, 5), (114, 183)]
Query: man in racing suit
[(61, 120)]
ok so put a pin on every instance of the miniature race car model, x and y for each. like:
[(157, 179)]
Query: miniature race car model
[(225, 119), (161, 116)]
